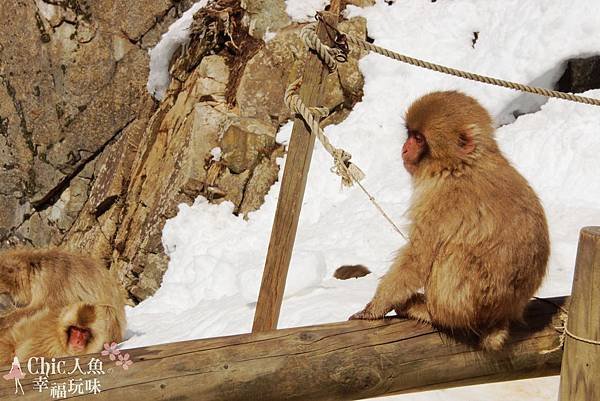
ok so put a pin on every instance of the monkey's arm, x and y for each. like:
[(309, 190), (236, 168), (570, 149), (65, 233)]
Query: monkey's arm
[(399, 284)]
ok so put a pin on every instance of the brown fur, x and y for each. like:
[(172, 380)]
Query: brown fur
[(351, 271), (479, 238), (45, 333), (51, 290)]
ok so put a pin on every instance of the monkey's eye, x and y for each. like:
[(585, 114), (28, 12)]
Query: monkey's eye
[(419, 138)]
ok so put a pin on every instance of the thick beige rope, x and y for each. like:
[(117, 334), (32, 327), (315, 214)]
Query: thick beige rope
[(349, 172), (330, 56), (333, 54), (363, 44)]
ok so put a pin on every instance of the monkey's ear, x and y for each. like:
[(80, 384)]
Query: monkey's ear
[(466, 141)]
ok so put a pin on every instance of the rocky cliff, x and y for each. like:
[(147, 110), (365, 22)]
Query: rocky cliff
[(90, 161)]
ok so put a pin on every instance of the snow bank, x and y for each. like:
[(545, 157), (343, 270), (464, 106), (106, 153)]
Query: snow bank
[(216, 258)]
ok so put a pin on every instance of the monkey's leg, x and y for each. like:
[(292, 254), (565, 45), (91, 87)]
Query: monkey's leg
[(399, 284), (493, 339), (415, 308)]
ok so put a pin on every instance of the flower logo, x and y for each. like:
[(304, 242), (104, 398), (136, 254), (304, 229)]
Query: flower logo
[(124, 361), (111, 351), (114, 354)]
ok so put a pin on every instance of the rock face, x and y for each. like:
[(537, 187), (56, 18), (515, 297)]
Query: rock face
[(71, 83), (581, 74), (90, 161)]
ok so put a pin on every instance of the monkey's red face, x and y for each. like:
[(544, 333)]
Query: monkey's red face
[(413, 150), (78, 338)]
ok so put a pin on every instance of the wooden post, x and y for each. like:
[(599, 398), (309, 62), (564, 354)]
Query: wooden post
[(580, 373), (339, 361), (291, 193)]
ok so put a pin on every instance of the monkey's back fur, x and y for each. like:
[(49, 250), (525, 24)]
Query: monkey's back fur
[(487, 236), (47, 277)]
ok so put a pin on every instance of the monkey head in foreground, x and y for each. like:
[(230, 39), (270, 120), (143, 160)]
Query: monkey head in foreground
[(57, 303), (478, 241)]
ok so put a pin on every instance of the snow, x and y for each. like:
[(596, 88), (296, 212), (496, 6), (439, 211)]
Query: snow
[(304, 10), (216, 258), (216, 153), (160, 55), (269, 36)]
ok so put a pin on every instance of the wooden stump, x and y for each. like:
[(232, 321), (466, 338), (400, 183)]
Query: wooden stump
[(580, 372)]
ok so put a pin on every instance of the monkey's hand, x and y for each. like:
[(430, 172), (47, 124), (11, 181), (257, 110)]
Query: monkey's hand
[(372, 311)]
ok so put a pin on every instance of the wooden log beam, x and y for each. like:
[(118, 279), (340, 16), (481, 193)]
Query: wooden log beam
[(340, 361), (293, 183), (580, 374)]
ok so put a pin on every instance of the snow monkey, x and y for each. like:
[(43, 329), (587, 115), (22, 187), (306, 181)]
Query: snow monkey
[(478, 238), (56, 303)]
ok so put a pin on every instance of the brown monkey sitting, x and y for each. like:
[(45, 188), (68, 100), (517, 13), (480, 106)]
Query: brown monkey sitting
[(56, 303), (479, 238)]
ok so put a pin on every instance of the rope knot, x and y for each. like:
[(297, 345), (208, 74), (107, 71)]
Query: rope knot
[(342, 166), (329, 55), (345, 168)]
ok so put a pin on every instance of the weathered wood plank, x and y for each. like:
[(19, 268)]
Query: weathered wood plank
[(293, 183), (580, 375), (340, 361)]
